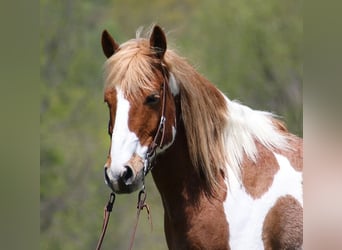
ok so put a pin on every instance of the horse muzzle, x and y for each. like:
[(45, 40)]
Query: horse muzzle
[(127, 180)]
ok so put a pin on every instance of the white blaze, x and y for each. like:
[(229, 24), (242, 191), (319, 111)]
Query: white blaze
[(124, 142)]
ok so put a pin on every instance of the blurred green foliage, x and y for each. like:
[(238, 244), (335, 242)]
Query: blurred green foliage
[(251, 49)]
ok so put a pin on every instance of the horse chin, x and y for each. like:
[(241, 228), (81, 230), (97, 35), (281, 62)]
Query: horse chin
[(127, 189)]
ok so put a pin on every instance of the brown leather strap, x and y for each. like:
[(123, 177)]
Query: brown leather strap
[(140, 206), (107, 209), (151, 152)]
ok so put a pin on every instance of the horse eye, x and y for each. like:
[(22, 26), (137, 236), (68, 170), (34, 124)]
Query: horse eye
[(152, 99)]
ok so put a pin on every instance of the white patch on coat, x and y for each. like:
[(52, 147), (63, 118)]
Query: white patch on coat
[(246, 215), (246, 125), (173, 85)]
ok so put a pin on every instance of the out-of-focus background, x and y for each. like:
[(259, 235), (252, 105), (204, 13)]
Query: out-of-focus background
[(250, 49)]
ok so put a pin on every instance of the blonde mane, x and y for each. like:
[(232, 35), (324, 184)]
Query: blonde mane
[(205, 117)]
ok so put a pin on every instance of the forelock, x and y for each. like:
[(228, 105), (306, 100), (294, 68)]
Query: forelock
[(132, 68)]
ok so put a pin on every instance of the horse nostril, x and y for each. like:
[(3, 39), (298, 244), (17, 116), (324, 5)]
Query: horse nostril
[(127, 175)]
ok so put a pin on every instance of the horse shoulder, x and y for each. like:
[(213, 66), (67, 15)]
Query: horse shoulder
[(267, 199)]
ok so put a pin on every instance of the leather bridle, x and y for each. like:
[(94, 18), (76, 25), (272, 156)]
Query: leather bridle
[(151, 152)]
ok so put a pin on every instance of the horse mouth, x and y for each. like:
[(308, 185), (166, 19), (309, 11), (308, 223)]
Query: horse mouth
[(120, 187)]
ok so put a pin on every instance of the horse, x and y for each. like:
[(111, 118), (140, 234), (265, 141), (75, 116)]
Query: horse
[(229, 177)]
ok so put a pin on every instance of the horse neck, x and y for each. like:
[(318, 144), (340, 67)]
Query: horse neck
[(187, 208), (175, 176), (172, 167)]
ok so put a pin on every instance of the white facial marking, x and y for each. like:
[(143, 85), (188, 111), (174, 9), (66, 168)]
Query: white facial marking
[(246, 215), (124, 142)]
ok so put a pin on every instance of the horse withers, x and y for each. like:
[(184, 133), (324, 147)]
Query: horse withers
[(229, 177)]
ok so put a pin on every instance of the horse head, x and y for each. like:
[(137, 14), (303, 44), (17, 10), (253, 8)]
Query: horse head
[(139, 92)]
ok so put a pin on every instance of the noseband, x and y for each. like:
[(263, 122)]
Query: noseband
[(151, 152)]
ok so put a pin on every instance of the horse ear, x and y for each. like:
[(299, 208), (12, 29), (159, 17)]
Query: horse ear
[(109, 46), (158, 41)]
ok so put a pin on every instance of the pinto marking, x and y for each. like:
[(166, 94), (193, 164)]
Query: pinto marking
[(230, 177), (246, 215)]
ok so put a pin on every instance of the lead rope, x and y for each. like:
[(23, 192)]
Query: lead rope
[(140, 206), (107, 209)]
